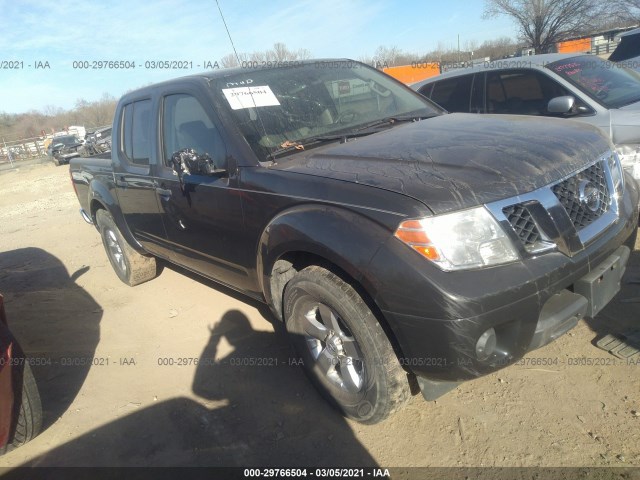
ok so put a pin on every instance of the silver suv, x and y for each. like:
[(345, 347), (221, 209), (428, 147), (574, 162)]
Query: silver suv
[(583, 87)]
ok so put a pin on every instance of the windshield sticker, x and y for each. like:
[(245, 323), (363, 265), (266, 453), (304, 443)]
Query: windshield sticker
[(249, 97), (568, 68)]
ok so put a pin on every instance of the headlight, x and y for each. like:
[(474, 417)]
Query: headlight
[(630, 159), (459, 241)]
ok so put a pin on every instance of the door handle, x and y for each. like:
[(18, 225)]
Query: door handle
[(163, 192)]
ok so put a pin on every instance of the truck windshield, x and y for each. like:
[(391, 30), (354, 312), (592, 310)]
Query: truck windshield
[(295, 106), (611, 85)]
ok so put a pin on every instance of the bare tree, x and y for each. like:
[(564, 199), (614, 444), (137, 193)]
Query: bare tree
[(260, 57), (278, 53), (543, 23), (229, 61), (281, 53), (623, 13), (304, 54), (387, 56)]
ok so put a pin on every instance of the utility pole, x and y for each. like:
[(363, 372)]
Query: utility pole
[(458, 48)]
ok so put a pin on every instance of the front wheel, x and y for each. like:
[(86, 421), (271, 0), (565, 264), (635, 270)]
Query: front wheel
[(130, 266), (343, 348)]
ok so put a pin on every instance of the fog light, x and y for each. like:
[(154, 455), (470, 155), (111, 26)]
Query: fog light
[(486, 344)]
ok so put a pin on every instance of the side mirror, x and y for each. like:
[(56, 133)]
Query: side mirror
[(187, 161), (562, 104)]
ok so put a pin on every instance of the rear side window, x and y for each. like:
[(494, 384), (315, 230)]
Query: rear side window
[(136, 132), (453, 94)]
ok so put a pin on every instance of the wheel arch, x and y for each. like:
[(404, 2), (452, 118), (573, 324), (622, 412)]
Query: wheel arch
[(350, 241), (101, 198)]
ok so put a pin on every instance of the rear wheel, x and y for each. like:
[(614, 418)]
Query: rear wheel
[(130, 266), (56, 161), (344, 350)]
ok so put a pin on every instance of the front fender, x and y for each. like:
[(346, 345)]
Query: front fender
[(342, 237)]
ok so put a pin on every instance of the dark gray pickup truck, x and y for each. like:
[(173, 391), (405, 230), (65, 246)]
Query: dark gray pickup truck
[(403, 248)]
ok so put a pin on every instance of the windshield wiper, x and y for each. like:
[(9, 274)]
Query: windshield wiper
[(395, 119), (368, 129), (301, 145)]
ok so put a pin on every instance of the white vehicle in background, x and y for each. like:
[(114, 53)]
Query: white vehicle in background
[(578, 87), (78, 131)]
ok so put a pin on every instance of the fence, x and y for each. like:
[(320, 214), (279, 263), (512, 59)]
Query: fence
[(25, 149)]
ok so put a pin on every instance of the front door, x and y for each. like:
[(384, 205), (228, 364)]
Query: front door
[(202, 213)]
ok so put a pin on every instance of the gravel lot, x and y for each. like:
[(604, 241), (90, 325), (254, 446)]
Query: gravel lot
[(111, 397)]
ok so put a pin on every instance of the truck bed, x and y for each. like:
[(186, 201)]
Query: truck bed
[(85, 170)]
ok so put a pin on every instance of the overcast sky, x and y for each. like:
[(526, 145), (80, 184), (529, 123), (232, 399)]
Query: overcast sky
[(63, 31)]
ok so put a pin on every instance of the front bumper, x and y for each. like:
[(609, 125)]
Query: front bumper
[(438, 318), (65, 157)]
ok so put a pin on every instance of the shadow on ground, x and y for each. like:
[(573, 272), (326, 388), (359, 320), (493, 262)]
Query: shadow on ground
[(54, 320), (620, 316), (257, 409)]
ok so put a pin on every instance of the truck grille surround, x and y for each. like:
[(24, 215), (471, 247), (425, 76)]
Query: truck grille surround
[(566, 215)]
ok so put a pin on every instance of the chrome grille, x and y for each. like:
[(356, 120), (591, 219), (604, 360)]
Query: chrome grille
[(565, 216), (585, 196), (522, 223)]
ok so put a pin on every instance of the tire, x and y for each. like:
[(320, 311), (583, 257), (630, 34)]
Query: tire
[(27, 409), (343, 348), (57, 162), (130, 266)]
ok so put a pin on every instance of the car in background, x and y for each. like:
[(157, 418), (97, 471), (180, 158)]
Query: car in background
[(20, 408), (580, 87), (627, 53), (64, 148), (97, 142)]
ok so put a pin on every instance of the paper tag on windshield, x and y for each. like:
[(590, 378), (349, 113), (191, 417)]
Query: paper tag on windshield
[(249, 97)]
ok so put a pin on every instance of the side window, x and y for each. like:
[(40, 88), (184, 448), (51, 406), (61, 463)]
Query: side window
[(521, 92), (453, 94), (136, 132), (496, 96), (125, 134), (426, 90), (185, 124), (477, 94)]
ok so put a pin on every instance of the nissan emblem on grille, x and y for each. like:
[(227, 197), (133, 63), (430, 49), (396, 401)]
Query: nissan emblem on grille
[(585, 196), (588, 195)]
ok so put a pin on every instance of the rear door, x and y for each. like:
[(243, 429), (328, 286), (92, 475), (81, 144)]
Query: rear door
[(135, 155)]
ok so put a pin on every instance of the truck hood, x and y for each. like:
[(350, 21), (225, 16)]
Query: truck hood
[(458, 160)]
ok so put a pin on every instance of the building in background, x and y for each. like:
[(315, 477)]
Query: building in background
[(599, 43)]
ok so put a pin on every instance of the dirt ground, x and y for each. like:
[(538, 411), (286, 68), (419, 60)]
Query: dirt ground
[(110, 397)]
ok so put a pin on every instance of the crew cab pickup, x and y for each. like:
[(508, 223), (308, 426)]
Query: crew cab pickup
[(404, 248)]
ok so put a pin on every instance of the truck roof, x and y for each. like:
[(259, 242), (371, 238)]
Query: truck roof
[(228, 72)]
